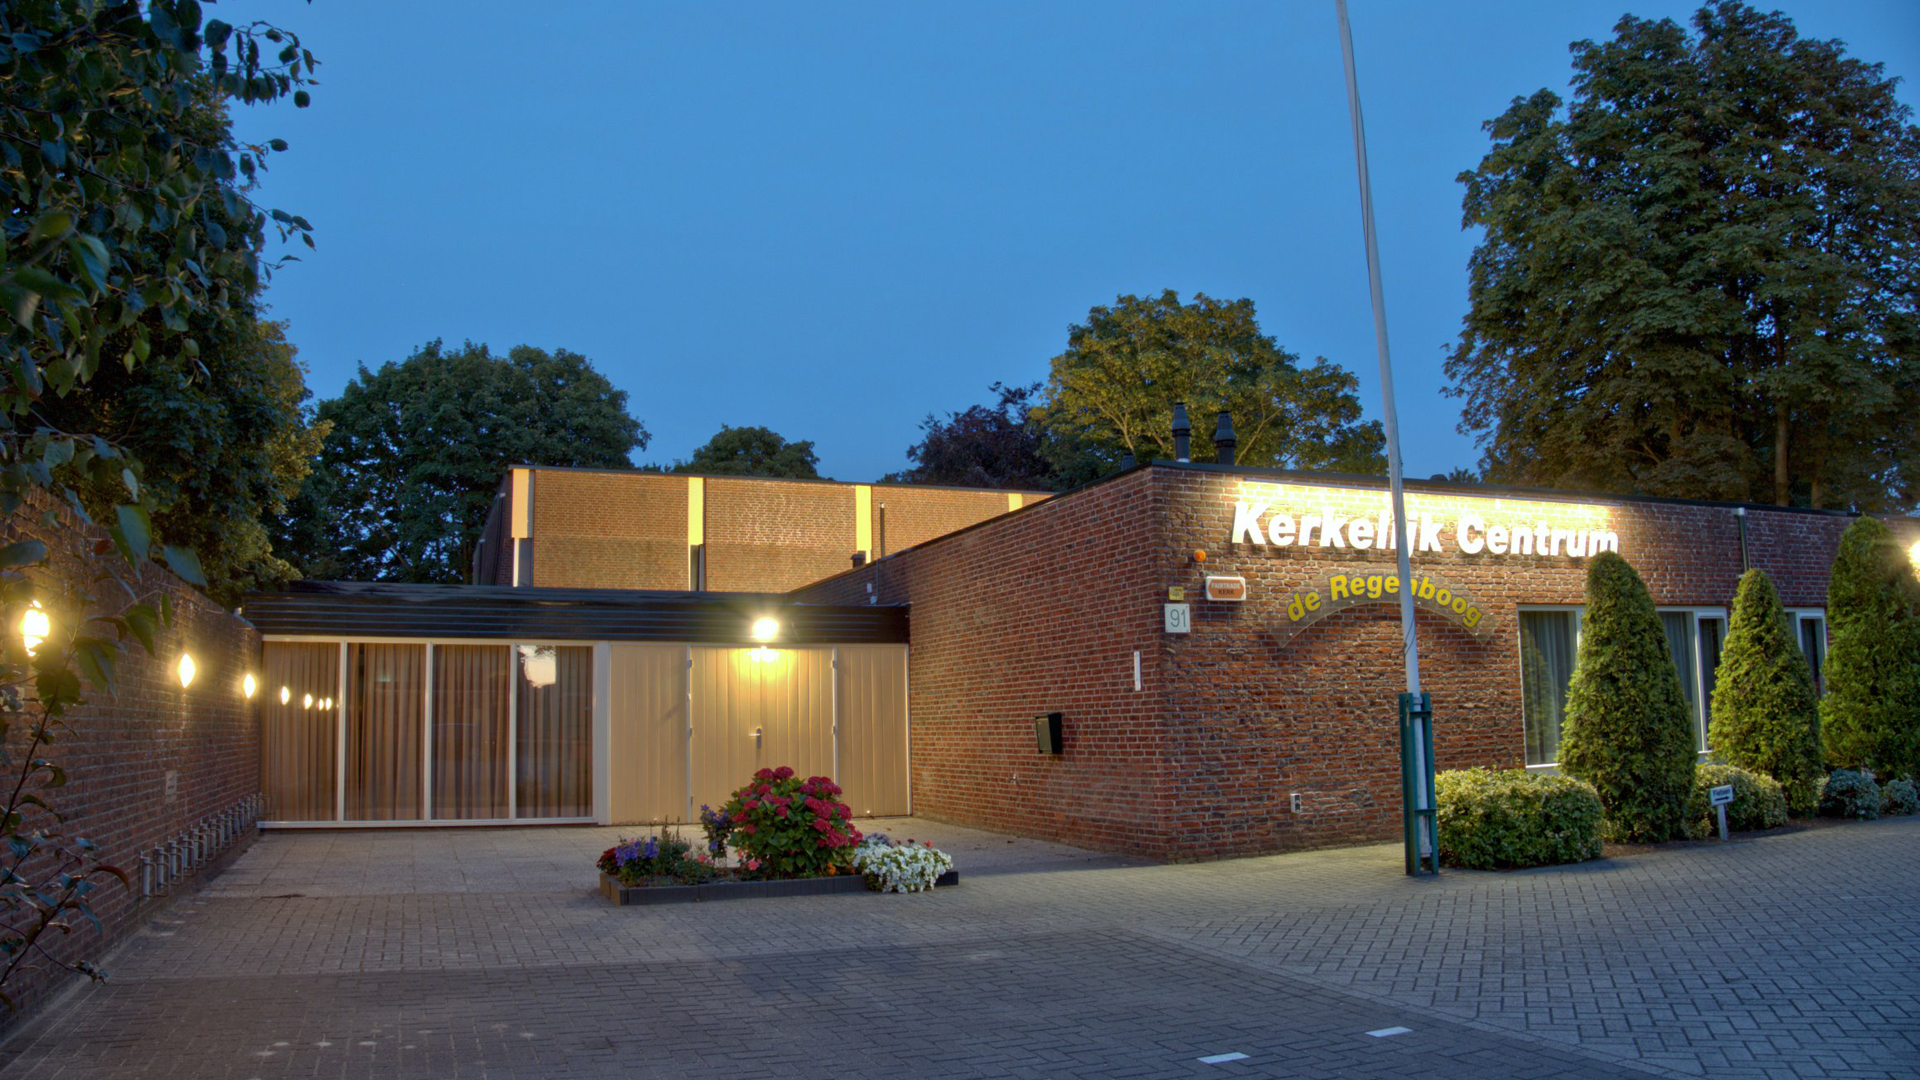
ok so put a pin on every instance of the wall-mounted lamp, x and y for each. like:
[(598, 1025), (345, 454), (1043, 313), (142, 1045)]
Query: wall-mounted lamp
[(286, 695), (186, 670), (1913, 554), (248, 687), (35, 627), (766, 629)]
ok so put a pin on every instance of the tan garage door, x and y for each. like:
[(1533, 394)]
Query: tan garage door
[(759, 708), (872, 697), (647, 733)]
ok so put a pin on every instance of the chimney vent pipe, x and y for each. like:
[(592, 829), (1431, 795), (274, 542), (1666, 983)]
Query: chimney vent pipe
[(1181, 431)]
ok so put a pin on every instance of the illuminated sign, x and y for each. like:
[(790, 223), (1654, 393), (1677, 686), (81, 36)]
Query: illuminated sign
[(1337, 592), (1470, 533)]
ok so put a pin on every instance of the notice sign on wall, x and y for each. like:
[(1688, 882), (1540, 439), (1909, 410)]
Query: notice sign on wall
[(1337, 592)]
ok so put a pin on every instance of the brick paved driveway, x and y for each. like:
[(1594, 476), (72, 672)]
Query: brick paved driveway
[(482, 954)]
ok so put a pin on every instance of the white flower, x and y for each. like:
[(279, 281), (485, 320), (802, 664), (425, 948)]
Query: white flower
[(906, 868)]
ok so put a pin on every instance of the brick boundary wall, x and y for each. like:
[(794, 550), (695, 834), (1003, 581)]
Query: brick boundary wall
[(150, 760), (1041, 610)]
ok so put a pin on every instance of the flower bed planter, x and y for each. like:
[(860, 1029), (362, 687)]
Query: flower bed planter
[(629, 895)]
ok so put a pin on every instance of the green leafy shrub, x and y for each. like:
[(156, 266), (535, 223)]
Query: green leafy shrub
[(1628, 730), (1758, 800), (665, 859), (1850, 793), (1765, 715), (1899, 798), (784, 826), (1870, 718), (1495, 819)]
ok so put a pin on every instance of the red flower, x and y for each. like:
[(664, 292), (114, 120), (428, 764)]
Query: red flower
[(783, 773), (751, 828), (764, 774), (740, 818), (858, 836), (820, 823), (844, 812)]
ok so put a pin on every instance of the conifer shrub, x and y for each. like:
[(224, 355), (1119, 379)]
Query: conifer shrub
[(1899, 798), (1628, 730), (1758, 801), (1765, 716), (1498, 819), (1870, 718), (1850, 793)]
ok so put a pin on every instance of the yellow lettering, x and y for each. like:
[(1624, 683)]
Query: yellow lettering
[(1313, 601), (1338, 587), (1375, 584), (1473, 618)]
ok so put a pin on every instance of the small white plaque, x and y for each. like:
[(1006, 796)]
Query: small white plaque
[(1721, 795), (1179, 618)]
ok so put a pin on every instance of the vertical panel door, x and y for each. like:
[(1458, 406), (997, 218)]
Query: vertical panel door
[(299, 748), (759, 708), (648, 734), (872, 693)]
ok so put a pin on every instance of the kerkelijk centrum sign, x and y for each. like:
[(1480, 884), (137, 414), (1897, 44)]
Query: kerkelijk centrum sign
[(1471, 533)]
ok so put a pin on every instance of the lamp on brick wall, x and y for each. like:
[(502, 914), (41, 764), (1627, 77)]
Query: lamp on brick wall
[(35, 627), (186, 670), (248, 687)]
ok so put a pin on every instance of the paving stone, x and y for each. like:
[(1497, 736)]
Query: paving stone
[(485, 953)]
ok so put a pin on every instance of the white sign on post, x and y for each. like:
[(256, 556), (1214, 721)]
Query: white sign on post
[(1718, 798), (1179, 618)]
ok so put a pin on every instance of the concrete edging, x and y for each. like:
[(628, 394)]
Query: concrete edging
[(646, 895)]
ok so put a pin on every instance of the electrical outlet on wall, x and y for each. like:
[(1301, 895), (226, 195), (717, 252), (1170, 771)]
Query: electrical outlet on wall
[(1293, 800)]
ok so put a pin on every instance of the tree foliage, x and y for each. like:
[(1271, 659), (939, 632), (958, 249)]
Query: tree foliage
[(416, 451), (1699, 280), (1870, 717), (126, 233), (1628, 731), (753, 451), (1765, 716), (997, 445), (1112, 392)]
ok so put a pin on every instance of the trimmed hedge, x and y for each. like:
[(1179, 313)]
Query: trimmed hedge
[(1758, 801), (1765, 716), (1497, 819), (1628, 730), (1850, 793)]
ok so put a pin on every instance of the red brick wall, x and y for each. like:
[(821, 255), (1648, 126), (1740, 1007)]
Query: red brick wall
[(608, 530), (151, 759), (1036, 612), (1041, 610)]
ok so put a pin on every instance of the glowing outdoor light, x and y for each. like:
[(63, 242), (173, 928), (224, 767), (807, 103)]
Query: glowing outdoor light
[(307, 702), (286, 695), (1913, 553), (766, 629), (35, 626), (186, 670)]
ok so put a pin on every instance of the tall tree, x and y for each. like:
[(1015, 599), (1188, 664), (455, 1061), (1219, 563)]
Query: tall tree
[(1765, 716), (1112, 392), (124, 232), (416, 451), (753, 451), (1700, 279), (1628, 730), (1870, 717), (998, 445)]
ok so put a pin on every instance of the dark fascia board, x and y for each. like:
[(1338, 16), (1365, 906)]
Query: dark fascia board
[(785, 479), (376, 609)]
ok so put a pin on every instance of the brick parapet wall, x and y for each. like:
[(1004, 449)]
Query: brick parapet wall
[(1241, 713), (629, 530), (151, 759)]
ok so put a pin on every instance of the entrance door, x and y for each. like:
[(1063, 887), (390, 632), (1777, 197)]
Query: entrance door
[(755, 709), (872, 698), (647, 734)]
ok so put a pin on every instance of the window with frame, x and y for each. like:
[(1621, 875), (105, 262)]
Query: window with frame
[(1810, 633), (1550, 646)]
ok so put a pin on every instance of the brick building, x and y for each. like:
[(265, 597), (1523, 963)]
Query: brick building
[(1222, 643)]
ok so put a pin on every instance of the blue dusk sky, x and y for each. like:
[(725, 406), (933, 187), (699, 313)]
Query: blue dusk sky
[(835, 218)]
